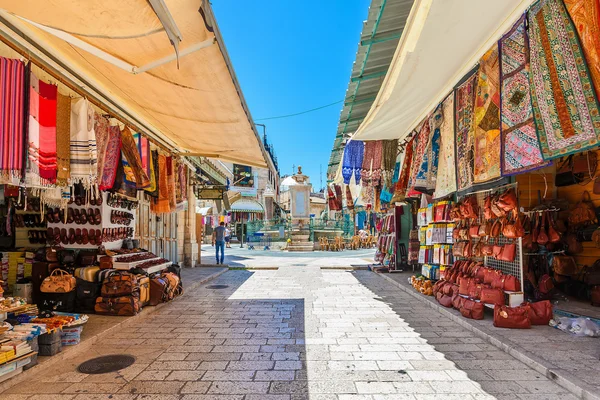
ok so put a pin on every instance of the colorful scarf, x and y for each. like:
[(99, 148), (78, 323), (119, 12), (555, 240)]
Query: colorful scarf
[(32, 176), (181, 183), (433, 149), (420, 159), (463, 102), (161, 205), (565, 107), (402, 184), (132, 165), (47, 160), (586, 17), (143, 145), (353, 160), (171, 165), (101, 125), (349, 201), (154, 171), (520, 147), (371, 167), (445, 183), (63, 138), (12, 108), (84, 154), (112, 158), (486, 164), (331, 199), (389, 154)]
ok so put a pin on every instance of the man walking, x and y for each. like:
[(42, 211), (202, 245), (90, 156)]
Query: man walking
[(218, 239)]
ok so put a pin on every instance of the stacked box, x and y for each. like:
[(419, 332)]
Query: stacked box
[(50, 343)]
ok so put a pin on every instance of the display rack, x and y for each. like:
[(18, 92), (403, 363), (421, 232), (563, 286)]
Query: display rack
[(435, 237)]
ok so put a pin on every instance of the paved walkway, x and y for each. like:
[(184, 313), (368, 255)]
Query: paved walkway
[(296, 333)]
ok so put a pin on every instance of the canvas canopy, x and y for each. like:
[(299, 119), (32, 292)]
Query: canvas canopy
[(442, 41), (161, 61)]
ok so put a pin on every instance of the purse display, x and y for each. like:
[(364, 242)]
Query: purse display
[(540, 312), (508, 253), (576, 169), (584, 212), (511, 317), (59, 281), (472, 309), (564, 265), (492, 296)]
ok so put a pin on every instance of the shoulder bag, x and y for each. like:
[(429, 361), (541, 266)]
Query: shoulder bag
[(59, 281), (511, 317), (472, 309), (584, 212), (540, 312), (492, 296), (564, 265)]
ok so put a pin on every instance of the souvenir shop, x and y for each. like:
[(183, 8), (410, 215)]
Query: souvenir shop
[(502, 176), (88, 215)]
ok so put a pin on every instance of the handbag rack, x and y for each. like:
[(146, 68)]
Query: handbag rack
[(515, 267)]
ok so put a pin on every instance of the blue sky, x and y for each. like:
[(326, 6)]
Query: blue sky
[(290, 56)]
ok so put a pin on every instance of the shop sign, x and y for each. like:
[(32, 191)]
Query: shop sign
[(244, 180)]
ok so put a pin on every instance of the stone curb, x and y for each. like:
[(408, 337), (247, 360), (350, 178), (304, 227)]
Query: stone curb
[(85, 345), (564, 379)]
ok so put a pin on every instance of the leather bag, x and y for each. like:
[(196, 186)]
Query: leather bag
[(564, 265), (468, 251), (59, 281), (87, 293), (553, 234), (511, 317), (472, 309), (497, 251), (540, 312), (492, 296), (66, 257), (123, 306), (496, 229), (174, 285), (120, 284), (106, 262), (586, 233), (591, 275), (87, 257), (545, 284), (487, 249), (490, 274), (542, 237), (506, 282), (144, 282), (508, 253), (474, 231), (463, 286), (595, 296), (576, 169), (487, 208), (574, 245), (507, 200), (475, 289), (457, 301), (485, 229), (52, 254), (469, 208), (584, 212), (159, 290), (444, 300)]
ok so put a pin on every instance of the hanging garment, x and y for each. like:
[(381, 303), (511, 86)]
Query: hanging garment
[(47, 153), (161, 205), (101, 125), (371, 167), (84, 154), (520, 146), (463, 102), (12, 109), (389, 154), (565, 107), (112, 158), (181, 183), (32, 175), (143, 146), (339, 202), (171, 170), (153, 174), (361, 218), (120, 184), (417, 176), (586, 17), (445, 183), (402, 185), (433, 149), (349, 201), (486, 163), (353, 160), (63, 139), (134, 171)]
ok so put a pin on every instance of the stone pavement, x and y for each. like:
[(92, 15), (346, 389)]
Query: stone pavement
[(296, 333)]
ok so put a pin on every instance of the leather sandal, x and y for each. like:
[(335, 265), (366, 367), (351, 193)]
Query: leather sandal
[(92, 236), (78, 238), (55, 216), (71, 236), (97, 216), (61, 215), (90, 216), (56, 236), (77, 216), (98, 237), (63, 236), (70, 216), (85, 238)]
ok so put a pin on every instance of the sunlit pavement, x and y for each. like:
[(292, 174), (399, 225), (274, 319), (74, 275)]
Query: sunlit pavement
[(297, 333)]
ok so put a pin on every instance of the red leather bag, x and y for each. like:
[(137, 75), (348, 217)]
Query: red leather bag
[(553, 235), (508, 253), (468, 251), (479, 272), (487, 249), (540, 312), (506, 282), (542, 237), (490, 274), (487, 208), (444, 300), (475, 289), (492, 296), (545, 284), (474, 231), (511, 317), (457, 301), (496, 229), (507, 200), (463, 286), (497, 251), (472, 309)]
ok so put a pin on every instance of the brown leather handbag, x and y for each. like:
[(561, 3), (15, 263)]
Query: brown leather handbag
[(468, 251), (508, 200), (485, 229), (475, 289), (506, 282), (487, 208), (564, 265), (511, 317), (574, 245), (545, 284), (124, 306), (159, 290), (444, 300), (542, 237), (513, 229), (477, 249), (458, 249), (470, 208), (490, 275), (584, 212), (463, 286), (496, 210), (492, 296), (474, 231), (508, 253), (106, 262), (119, 284), (496, 229), (540, 312), (487, 249), (59, 281), (497, 250), (479, 272), (553, 235), (472, 309), (457, 301)]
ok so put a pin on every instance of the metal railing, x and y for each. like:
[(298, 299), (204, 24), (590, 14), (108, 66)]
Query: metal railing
[(269, 225), (345, 225)]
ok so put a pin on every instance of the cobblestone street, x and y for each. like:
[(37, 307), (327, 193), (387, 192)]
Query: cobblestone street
[(296, 333)]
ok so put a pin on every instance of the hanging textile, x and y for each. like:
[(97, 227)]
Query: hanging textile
[(586, 17), (84, 154), (445, 183), (143, 145), (181, 183), (339, 201), (12, 108), (47, 160), (433, 149), (401, 186), (153, 174), (32, 175), (101, 125), (417, 176), (353, 160), (349, 201), (112, 158), (161, 205), (520, 147), (331, 199), (486, 163), (120, 183), (389, 154), (133, 165), (565, 108), (463, 104), (371, 166), (63, 139), (171, 170)]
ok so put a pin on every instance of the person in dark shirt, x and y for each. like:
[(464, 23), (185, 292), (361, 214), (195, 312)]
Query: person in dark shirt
[(218, 239)]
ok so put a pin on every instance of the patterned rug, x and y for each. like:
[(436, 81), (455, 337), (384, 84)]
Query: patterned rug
[(564, 102), (446, 176), (419, 158), (464, 101), (402, 184), (520, 147), (486, 164)]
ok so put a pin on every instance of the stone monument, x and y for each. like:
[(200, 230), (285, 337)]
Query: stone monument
[(300, 213)]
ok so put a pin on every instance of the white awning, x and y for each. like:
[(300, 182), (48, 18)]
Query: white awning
[(161, 63), (442, 41), (203, 210), (247, 205)]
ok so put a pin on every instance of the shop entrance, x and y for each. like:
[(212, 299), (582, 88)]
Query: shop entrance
[(157, 232)]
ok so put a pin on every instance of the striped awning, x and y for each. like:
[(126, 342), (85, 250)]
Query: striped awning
[(247, 205)]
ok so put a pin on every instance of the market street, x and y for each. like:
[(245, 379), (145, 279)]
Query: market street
[(298, 332)]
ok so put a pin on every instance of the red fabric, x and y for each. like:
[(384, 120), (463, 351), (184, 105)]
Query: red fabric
[(47, 120)]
